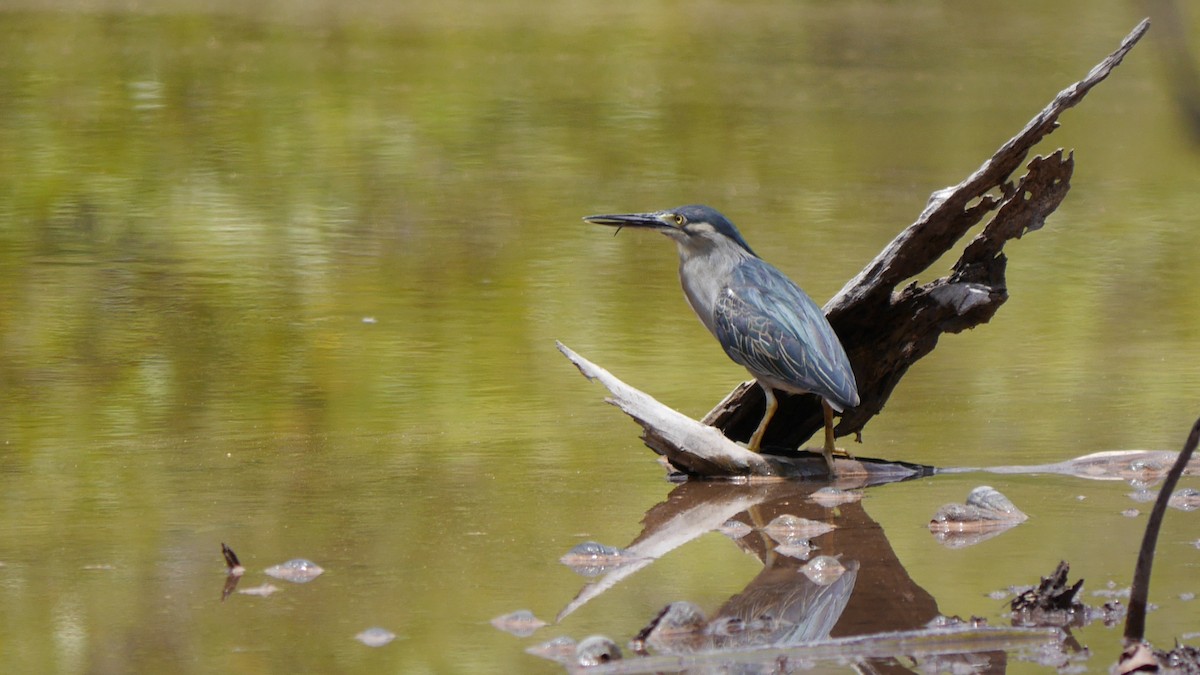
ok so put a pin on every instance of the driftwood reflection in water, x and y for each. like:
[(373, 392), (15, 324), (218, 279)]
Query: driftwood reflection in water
[(782, 607)]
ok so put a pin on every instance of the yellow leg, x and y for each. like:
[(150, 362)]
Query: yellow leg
[(829, 437), (772, 404)]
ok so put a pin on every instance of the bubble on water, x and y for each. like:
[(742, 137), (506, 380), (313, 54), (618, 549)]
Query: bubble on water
[(830, 497), (591, 558), (734, 529), (521, 623), (560, 649), (297, 571), (823, 570), (375, 636), (799, 549), (789, 529), (597, 650)]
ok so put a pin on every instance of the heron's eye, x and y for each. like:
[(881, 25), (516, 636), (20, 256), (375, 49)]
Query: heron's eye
[(679, 219)]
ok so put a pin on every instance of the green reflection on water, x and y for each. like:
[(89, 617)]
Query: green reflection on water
[(292, 280)]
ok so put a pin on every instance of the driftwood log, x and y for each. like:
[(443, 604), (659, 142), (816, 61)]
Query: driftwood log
[(887, 326)]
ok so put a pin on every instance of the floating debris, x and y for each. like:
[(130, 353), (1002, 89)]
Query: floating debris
[(734, 529), (521, 623), (1182, 659), (799, 549), (596, 650), (1131, 513), (986, 514), (1141, 657), (100, 567), (1187, 596), (677, 622), (830, 497), (262, 591), (823, 570), (297, 571), (1187, 499), (788, 529), (375, 636), (560, 649), (368, 319), (231, 561), (986, 508), (1051, 603), (590, 559)]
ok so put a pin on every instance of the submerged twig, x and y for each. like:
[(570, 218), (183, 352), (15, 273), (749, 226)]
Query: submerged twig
[(1135, 622), (231, 561), (235, 571)]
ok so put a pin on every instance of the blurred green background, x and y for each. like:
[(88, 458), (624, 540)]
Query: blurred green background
[(288, 275)]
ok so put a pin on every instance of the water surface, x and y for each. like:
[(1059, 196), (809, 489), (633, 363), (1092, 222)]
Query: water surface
[(290, 278)]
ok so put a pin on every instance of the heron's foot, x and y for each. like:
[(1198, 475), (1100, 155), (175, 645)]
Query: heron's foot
[(818, 450), (828, 454), (842, 452)]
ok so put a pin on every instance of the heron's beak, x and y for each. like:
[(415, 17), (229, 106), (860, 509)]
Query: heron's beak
[(653, 221)]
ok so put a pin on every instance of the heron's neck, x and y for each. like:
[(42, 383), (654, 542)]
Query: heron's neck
[(704, 274)]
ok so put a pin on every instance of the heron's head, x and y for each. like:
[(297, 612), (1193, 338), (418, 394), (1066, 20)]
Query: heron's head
[(694, 227)]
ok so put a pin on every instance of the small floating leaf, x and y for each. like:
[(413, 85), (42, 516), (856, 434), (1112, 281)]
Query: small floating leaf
[(521, 623), (375, 636), (297, 571)]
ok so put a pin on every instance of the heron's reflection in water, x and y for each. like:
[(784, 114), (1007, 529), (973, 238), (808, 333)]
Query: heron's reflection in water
[(857, 587)]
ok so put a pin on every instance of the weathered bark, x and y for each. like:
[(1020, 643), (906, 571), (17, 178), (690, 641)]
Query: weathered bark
[(885, 328), (697, 449)]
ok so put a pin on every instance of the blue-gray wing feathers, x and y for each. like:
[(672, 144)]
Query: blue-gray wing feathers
[(770, 326)]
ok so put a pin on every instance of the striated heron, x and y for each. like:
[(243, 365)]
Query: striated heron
[(762, 319)]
